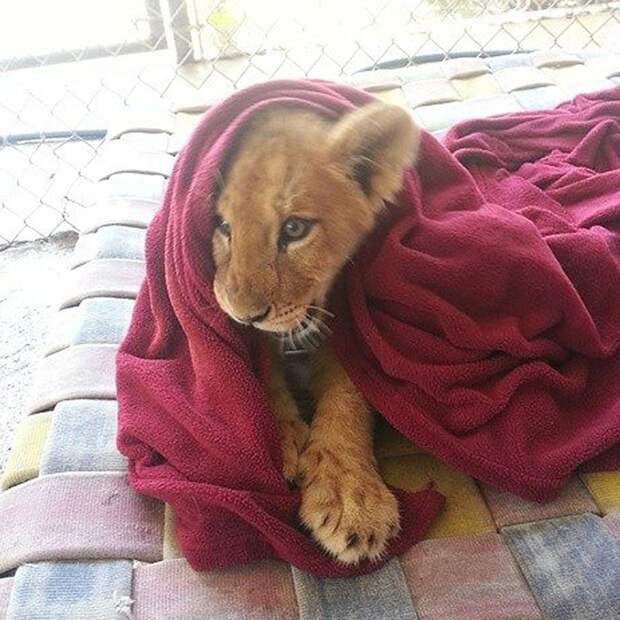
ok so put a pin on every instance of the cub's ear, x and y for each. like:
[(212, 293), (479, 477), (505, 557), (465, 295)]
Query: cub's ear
[(374, 145)]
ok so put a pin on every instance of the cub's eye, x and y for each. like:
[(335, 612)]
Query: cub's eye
[(294, 229), (221, 225)]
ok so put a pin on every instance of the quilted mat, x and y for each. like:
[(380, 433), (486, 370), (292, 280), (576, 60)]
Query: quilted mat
[(76, 542)]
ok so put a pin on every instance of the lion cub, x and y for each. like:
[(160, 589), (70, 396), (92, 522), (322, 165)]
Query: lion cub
[(299, 196)]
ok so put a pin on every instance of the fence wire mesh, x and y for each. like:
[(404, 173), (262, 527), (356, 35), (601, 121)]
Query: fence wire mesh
[(69, 68)]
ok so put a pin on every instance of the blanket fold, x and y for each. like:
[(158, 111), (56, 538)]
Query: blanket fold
[(481, 319)]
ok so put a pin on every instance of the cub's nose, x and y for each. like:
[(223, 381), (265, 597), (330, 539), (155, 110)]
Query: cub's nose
[(257, 318)]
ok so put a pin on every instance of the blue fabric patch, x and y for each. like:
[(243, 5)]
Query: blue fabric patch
[(440, 116), (508, 61), (132, 185), (591, 86), (541, 98), (94, 590), (82, 437), (103, 320), (423, 71), (587, 54), (572, 565), (383, 594), (120, 242)]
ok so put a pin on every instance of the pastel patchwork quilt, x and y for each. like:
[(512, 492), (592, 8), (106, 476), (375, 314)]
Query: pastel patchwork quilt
[(77, 543)]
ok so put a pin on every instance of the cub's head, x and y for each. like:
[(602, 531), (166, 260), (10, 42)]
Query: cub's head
[(299, 196)]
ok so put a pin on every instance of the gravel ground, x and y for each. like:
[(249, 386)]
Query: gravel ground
[(31, 281)]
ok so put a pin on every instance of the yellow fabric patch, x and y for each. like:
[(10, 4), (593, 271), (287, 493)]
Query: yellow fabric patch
[(572, 76), (395, 96), (476, 86), (465, 512), (604, 486), (25, 455), (390, 443), (171, 549)]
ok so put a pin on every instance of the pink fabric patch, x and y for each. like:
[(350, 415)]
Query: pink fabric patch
[(472, 578), (262, 591), (78, 515), (5, 592), (612, 520), (509, 509)]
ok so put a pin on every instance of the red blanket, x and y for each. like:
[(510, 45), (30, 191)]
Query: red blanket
[(482, 319)]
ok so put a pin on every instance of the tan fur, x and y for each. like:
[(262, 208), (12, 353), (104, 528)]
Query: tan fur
[(338, 175)]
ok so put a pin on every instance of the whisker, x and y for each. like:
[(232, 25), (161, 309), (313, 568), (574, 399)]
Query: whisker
[(309, 326), (305, 337), (299, 329), (321, 326), (295, 347), (319, 309), (313, 343), (312, 325), (308, 343)]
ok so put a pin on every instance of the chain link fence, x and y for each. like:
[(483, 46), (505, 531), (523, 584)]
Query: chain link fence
[(69, 68)]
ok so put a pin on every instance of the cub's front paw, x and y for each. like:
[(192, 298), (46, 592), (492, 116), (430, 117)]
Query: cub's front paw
[(348, 508), (294, 434)]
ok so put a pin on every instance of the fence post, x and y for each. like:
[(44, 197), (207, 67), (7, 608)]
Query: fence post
[(177, 29)]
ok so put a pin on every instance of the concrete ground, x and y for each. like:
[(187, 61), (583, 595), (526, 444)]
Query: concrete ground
[(32, 276)]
